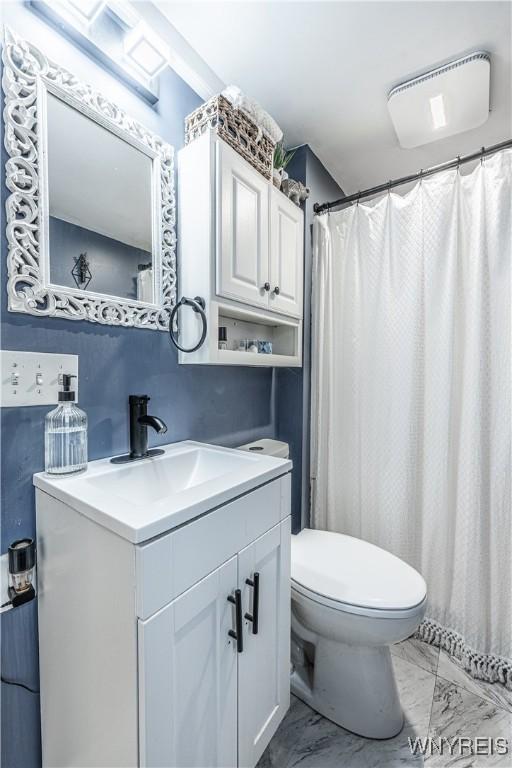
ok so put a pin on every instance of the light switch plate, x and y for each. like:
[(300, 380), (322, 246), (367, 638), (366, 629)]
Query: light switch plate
[(33, 378)]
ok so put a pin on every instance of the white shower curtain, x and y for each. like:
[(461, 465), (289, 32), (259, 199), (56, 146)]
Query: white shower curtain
[(411, 396)]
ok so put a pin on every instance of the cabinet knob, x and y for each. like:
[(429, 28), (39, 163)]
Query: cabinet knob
[(276, 290), (266, 287)]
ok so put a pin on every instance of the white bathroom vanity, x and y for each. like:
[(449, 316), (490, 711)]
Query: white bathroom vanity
[(164, 609)]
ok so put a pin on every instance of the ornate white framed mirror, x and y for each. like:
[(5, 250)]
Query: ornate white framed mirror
[(91, 207)]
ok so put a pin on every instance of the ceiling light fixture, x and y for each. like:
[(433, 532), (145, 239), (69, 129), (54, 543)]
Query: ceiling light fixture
[(112, 33), (438, 112), (86, 10), (146, 50), (442, 102)]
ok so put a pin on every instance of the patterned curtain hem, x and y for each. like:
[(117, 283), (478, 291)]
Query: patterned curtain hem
[(483, 666)]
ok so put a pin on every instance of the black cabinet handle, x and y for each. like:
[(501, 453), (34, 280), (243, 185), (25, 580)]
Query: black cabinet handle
[(266, 287), (255, 615), (237, 635), (277, 290)]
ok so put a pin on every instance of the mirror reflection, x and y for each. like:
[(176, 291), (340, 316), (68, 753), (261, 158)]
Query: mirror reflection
[(100, 204)]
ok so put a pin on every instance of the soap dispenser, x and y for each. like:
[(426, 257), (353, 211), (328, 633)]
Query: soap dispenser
[(65, 434)]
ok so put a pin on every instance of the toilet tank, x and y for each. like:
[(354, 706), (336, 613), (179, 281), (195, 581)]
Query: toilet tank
[(268, 447)]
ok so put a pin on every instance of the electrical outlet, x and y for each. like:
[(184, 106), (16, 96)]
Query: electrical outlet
[(33, 378)]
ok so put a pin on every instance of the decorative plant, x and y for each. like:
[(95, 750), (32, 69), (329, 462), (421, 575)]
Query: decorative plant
[(281, 157)]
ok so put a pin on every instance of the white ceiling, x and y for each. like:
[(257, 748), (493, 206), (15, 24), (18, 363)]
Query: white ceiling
[(95, 179), (324, 69)]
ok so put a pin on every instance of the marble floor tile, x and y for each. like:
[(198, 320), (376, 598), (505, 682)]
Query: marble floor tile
[(416, 688), (323, 744), (495, 693), (280, 751), (433, 706), (417, 652), (457, 713)]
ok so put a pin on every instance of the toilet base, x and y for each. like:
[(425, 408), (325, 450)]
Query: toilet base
[(354, 686)]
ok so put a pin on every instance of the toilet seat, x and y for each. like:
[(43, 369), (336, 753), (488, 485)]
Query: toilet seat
[(358, 610), (354, 576)]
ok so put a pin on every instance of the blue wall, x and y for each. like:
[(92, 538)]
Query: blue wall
[(293, 384), (223, 405)]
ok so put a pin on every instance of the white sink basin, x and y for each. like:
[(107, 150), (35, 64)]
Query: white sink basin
[(149, 481), (151, 496)]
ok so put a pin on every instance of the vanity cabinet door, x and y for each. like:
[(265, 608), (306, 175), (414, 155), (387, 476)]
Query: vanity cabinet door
[(286, 256), (243, 235), (264, 665), (188, 678)]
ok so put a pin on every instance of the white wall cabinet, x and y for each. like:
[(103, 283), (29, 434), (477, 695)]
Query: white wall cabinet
[(243, 218), (240, 247), (139, 665), (286, 255), (260, 239)]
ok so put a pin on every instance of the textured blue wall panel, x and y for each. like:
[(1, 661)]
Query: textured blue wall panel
[(293, 384), (21, 729)]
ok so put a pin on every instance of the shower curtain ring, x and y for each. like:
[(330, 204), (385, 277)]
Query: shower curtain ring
[(358, 196), (458, 163), (482, 153)]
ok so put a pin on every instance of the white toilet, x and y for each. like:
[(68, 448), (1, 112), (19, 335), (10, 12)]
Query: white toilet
[(351, 601)]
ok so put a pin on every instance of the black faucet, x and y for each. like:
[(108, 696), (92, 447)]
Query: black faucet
[(139, 423), (140, 420)]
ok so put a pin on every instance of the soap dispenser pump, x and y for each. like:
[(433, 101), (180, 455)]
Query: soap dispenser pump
[(65, 431)]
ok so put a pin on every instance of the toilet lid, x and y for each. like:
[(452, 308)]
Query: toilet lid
[(355, 572)]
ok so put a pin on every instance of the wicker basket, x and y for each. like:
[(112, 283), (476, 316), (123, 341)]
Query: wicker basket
[(236, 129)]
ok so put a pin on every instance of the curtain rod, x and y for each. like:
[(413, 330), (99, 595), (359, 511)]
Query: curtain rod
[(484, 152)]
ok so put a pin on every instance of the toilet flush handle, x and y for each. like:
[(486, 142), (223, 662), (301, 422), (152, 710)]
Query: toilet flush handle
[(254, 616)]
